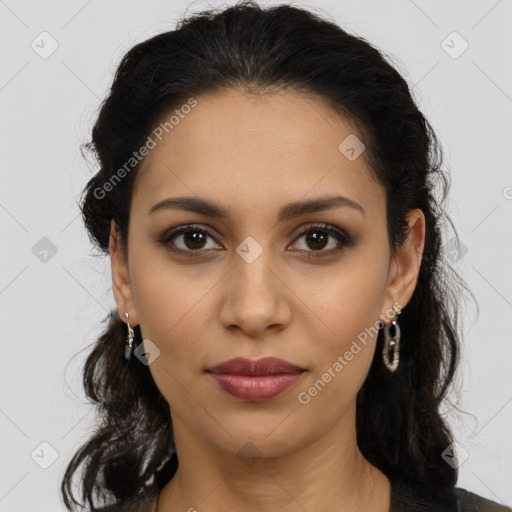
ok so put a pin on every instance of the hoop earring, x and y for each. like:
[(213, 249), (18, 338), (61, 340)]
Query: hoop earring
[(392, 341), (128, 342)]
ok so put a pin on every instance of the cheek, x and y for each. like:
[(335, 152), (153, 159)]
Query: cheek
[(172, 310), (351, 312), (342, 361), (175, 322), (167, 296)]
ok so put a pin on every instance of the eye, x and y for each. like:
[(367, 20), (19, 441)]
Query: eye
[(317, 236), (191, 240)]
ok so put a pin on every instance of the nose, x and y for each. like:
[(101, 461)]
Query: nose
[(255, 297)]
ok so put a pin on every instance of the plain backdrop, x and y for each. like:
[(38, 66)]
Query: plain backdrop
[(54, 291)]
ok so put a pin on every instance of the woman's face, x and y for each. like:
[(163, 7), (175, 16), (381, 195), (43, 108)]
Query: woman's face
[(255, 286)]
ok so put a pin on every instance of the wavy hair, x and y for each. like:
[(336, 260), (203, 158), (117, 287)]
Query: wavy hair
[(400, 428)]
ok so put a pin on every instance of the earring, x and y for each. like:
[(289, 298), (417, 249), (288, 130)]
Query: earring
[(128, 343), (392, 341)]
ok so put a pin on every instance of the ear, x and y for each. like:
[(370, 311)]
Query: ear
[(406, 263), (121, 285)]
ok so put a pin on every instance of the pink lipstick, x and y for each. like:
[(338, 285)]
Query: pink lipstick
[(257, 380)]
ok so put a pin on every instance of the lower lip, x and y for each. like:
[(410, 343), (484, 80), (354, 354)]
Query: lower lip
[(256, 388)]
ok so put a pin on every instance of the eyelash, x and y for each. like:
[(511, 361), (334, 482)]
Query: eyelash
[(339, 235)]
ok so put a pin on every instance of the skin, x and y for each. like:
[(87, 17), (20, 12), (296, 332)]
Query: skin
[(254, 154)]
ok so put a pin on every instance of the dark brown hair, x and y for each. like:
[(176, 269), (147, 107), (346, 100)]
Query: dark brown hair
[(399, 426)]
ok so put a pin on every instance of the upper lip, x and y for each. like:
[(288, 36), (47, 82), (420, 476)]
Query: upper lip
[(263, 366)]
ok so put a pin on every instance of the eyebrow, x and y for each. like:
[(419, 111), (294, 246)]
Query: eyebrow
[(288, 211)]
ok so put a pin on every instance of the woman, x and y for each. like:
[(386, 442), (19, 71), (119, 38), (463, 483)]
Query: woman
[(285, 328)]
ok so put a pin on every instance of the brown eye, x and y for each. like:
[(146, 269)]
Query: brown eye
[(194, 239), (187, 240), (317, 239)]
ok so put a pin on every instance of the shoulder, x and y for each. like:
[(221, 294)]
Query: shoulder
[(470, 502), (408, 496)]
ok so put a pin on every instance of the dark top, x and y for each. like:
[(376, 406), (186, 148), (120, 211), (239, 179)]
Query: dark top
[(405, 497), (416, 497)]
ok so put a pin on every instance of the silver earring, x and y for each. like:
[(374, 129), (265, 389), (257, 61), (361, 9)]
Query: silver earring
[(128, 343), (392, 341)]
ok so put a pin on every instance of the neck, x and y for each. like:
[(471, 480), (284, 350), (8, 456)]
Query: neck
[(313, 477)]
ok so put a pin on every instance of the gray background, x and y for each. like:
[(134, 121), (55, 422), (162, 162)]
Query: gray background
[(50, 310)]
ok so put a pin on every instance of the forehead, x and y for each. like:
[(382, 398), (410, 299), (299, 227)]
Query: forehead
[(240, 147)]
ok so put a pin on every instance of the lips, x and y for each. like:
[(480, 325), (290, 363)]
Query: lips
[(264, 366), (258, 380)]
